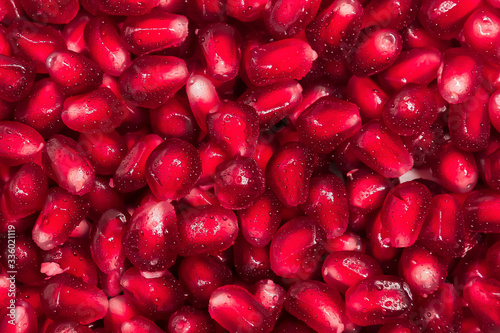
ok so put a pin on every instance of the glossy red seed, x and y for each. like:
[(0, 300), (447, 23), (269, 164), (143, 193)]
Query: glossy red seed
[(40, 112), (57, 12), (206, 11), (120, 7), (404, 212), (336, 28), (97, 111), (288, 59), (139, 324), (472, 265), (422, 270), (106, 47), (445, 18), (391, 14), (400, 326), (64, 161), (205, 229), (375, 50), (152, 79), (235, 309), (103, 197), (172, 169), (418, 65), (469, 123), (260, 221), (318, 305), (202, 97), (25, 192), (250, 262), (155, 297), (493, 258), (479, 211), (151, 237), (106, 241), (246, 11), (238, 182), (174, 119), (24, 321), (273, 102), (190, 320), (381, 150), (234, 127), (328, 122), (484, 301), (415, 36), (494, 110), (73, 32), (60, 214), (69, 298), (34, 42), (288, 173), (327, 205), (104, 150), (272, 296), (459, 75), (72, 72), (378, 300), (345, 268), (410, 110), (219, 44), (443, 229), (349, 241), (366, 190), (67, 326), (16, 79), (455, 170), (367, 95), (296, 248), (27, 261), (286, 18), (154, 31), (131, 172)]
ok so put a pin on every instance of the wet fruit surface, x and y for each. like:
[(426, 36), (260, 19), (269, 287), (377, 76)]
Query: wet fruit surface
[(249, 166)]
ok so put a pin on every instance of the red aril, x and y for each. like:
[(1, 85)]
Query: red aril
[(391, 14), (286, 18), (190, 320), (250, 262), (482, 296), (479, 211), (104, 150), (367, 95), (16, 79), (57, 12)]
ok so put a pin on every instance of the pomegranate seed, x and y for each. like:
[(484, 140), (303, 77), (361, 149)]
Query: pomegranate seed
[(39, 112), (400, 326), (174, 119), (139, 324), (238, 182), (445, 18), (120, 310), (328, 122), (272, 296), (206, 229), (250, 262), (172, 169), (260, 221), (381, 150), (16, 78), (443, 230), (367, 95), (34, 42), (415, 36), (440, 311), (118, 7), (459, 75), (73, 31), (455, 170), (478, 211), (345, 268), (288, 59), (390, 13), (286, 18), (336, 28), (57, 12), (418, 65), (201, 275), (288, 173), (155, 297), (234, 127), (410, 110), (105, 46), (154, 31), (67, 326), (28, 260), (349, 241), (206, 11), (60, 214), (72, 72), (494, 110), (273, 102), (235, 309), (378, 300), (296, 248), (59, 301), (25, 319), (151, 237), (318, 305), (327, 205), (366, 190), (163, 77), (103, 197), (211, 156), (246, 11), (482, 296), (190, 320), (202, 98), (375, 50)]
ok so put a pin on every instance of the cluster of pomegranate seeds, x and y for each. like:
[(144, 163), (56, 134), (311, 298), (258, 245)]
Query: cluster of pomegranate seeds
[(249, 166)]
